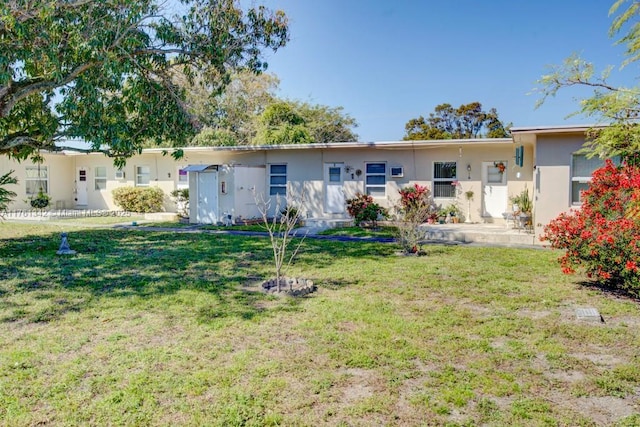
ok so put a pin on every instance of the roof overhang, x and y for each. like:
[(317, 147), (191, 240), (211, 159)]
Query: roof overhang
[(200, 168), (567, 129), (381, 145), (529, 134)]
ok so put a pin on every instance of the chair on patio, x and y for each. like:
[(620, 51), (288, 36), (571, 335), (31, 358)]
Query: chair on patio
[(511, 218)]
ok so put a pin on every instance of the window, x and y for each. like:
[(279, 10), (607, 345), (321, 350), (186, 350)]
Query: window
[(376, 179), (143, 176), (581, 170), (444, 179), (36, 179), (183, 178), (100, 175), (335, 174), (120, 173), (277, 180), (397, 172), (496, 173)]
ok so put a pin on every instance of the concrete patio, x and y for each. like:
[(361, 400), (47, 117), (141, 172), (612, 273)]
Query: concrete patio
[(499, 234)]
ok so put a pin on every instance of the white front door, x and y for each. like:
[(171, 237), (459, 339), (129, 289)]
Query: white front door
[(207, 210), (334, 202), (81, 186), (494, 184)]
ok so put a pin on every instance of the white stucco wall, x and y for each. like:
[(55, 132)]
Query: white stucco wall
[(553, 176), (60, 180), (243, 170)]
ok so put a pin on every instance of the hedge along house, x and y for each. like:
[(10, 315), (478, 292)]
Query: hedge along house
[(224, 181)]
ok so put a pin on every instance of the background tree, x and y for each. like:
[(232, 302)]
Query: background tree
[(249, 112), (233, 113), (465, 122), (293, 122), (615, 106), (102, 70), (280, 123), (327, 124)]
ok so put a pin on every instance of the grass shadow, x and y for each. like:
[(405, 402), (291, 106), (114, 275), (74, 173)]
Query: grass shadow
[(611, 288), (118, 263)]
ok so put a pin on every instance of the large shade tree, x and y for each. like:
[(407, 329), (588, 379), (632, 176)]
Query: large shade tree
[(465, 122), (104, 70)]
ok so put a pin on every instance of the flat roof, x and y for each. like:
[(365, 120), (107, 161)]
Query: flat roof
[(389, 145), (555, 129)]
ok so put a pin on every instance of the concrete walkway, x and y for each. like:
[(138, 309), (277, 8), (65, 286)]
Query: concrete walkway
[(472, 234)]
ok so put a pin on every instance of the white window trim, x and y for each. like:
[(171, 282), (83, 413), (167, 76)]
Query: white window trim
[(273, 186), (101, 178), (37, 179), (577, 180), (119, 174), (582, 179), (138, 176), (382, 186), (451, 181)]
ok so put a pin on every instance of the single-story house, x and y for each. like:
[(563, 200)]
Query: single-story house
[(224, 181)]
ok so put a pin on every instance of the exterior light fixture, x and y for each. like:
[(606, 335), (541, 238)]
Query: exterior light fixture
[(468, 171)]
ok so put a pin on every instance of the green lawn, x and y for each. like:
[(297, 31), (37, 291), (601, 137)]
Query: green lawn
[(382, 231), (158, 328), (237, 227)]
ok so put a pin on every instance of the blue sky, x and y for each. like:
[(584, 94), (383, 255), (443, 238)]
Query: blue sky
[(386, 62)]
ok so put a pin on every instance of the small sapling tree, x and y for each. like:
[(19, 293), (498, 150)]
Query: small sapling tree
[(280, 216)]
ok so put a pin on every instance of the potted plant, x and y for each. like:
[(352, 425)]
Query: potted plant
[(41, 200), (454, 212), (442, 215), (522, 207), (433, 218)]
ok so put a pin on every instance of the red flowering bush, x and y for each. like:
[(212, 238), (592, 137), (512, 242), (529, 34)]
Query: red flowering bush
[(416, 206), (416, 202), (603, 237), (363, 208)]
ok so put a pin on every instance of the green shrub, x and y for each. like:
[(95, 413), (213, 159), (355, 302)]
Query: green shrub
[(362, 208), (139, 199)]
